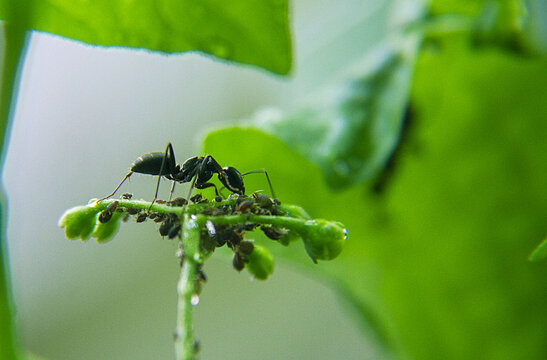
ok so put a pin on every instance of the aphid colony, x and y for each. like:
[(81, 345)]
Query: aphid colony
[(212, 236)]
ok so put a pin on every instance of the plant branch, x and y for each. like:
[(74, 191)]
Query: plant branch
[(184, 333), (204, 226)]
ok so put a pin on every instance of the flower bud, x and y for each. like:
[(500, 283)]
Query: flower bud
[(323, 239), (261, 263), (105, 231), (79, 222)]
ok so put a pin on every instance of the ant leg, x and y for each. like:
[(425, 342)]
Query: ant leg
[(202, 169), (211, 160), (206, 185), (172, 189), (220, 191), (117, 187), (168, 154), (191, 188), (267, 178)]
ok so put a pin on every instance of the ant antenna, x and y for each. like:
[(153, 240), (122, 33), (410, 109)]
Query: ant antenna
[(267, 178)]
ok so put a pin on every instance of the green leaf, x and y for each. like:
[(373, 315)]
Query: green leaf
[(436, 265), (351, 128), (540, 252), (298, 181), (252, 32), (518, 26), (12, 51), (8, 349)]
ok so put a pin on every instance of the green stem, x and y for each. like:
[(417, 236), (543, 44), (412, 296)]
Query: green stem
[(280, 221), (184, 333)]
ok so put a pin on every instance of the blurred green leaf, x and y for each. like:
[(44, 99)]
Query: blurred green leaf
[(351, 129), (7, 346), (540, 252), (519, 26), (298, 181), (252, 32), (12, 45), (437, 263)]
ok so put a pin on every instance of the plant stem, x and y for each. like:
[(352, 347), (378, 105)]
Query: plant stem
[(184, 333), (281, 221)]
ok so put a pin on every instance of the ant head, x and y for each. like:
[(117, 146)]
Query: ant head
[(232, 179)]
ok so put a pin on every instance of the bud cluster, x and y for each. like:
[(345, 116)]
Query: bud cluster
[(224, 222)]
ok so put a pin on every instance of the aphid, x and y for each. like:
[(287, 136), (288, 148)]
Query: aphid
[(196, 198), (201, 275), (105, 216), (165, 227), (132, 211), (167, 224), (249, 226), (264, 201), (198, 170), (238, 262), (159, 218), (141, 217), (174, 230), (197, 347), (112, 206), (180, 254), (234, 237), (273, 232), (126, 196), (246, 247), (177, 202), (244, 206)]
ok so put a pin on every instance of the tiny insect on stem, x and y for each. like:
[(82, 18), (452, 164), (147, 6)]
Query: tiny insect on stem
[(198, 170)]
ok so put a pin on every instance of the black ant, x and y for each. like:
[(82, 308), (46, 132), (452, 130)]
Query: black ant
[(198, 169)]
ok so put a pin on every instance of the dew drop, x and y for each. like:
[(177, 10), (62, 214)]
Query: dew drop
[(211, 228), (194, 300)]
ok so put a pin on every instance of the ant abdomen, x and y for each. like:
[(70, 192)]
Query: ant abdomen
[(151, 164)]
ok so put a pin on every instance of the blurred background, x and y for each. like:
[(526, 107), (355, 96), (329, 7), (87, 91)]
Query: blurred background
[(84, 115)]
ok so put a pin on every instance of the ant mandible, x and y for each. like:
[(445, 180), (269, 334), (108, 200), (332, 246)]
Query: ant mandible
[(198, 169)]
